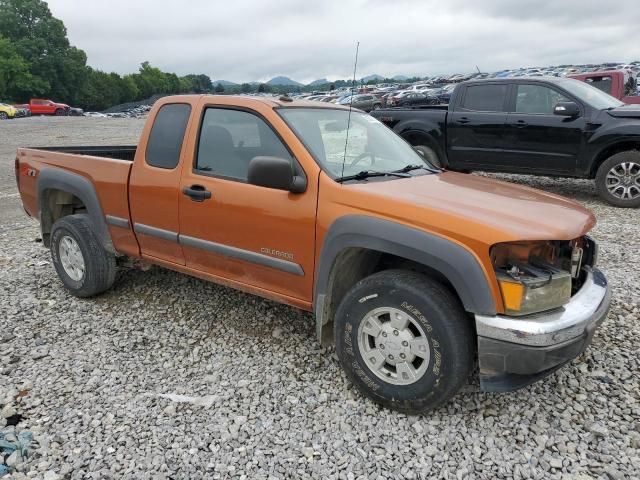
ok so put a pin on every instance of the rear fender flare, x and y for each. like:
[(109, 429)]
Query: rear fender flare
[(79, 186)]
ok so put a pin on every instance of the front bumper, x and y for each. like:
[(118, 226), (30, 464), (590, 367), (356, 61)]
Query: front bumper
[(514, 352)]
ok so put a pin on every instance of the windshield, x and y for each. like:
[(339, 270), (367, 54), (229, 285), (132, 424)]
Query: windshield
[(370, 145), (591, 95)]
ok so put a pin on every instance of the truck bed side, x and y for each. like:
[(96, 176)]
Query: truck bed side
[(419, 126), (53, 182)]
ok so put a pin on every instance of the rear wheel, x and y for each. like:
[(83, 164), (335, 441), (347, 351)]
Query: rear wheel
[(618, 179), (429, 155), (404, 340), (83, 265)]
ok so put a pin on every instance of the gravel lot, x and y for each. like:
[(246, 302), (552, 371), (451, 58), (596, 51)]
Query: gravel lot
[(167, 376)]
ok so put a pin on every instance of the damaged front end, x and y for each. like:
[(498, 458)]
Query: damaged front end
[(553, 297)]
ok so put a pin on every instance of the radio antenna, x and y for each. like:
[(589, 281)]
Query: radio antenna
[(353, 84)]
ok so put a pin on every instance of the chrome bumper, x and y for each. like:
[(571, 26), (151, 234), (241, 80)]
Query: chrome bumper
[(557, 326), (516, 351)]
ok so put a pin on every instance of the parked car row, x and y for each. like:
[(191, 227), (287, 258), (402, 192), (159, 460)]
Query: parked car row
[(616, 79), (38, 106)]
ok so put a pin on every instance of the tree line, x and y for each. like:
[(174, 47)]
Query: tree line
[(37, 60)]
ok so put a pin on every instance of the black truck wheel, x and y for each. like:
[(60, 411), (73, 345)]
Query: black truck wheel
[(404, 340), (84, 266), (429, 155), (618, 179)]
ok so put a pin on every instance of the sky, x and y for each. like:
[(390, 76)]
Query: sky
[(254, 40)]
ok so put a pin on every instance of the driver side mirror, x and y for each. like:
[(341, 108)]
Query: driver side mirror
[(275, 172), (566, 109)]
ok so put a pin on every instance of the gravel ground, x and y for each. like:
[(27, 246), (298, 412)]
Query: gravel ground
[(167, 376)]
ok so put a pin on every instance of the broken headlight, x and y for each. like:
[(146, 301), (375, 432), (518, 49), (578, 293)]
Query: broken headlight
[(534, 276)]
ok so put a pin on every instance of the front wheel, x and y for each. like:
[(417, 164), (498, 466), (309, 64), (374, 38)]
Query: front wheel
[(83, 265), (404, 340), (60, 112), (4, 116), (618, 179)]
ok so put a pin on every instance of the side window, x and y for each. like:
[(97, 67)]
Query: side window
[(167, 133), (485, 98), (601, 83), (537, 99), (229, 139)]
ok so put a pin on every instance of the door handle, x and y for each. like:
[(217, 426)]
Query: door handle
[(521, 124), (463, 120), (197, 193)]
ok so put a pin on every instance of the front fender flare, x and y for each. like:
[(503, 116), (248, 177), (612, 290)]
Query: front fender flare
[(457, 264)]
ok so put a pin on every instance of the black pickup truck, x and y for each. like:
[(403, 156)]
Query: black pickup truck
[(542, 126)]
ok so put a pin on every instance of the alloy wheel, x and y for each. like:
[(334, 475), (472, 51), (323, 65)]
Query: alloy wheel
[(623, 181), (394, 345)]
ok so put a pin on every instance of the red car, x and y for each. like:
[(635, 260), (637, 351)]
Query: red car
[(39, 106)]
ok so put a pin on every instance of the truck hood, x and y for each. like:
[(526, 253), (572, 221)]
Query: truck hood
[(627, 111), (476, 208)]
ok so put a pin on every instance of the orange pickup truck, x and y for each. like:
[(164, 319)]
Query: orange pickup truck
[(414, 273)]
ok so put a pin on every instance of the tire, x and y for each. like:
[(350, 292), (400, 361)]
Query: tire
[(440, 329), (4, 116), (623, 168), (429, 155), (377, 106), (98, 266), (59, 112)]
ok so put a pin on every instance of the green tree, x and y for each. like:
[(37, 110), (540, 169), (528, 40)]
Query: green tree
[(16, 81), (219, 88), (198, 83), (245, 88), (150, 80), (42, 41)]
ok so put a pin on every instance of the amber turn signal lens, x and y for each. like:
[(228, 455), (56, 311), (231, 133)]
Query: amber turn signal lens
[(512, 294)]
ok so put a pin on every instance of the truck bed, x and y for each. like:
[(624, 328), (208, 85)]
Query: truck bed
[(118, 152)]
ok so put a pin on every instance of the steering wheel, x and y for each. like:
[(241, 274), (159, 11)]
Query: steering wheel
[(363, 156)]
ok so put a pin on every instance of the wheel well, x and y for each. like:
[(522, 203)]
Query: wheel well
[(354, 264), (609, 151), (416, 138), (56, 204)]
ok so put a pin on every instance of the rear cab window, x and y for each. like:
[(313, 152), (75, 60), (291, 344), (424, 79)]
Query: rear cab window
[(485, 98), (167, 134)]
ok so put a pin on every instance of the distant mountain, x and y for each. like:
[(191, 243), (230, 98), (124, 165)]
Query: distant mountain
[(400, 78), (284, 81), (321, 81), (368, 78), (223, 82)]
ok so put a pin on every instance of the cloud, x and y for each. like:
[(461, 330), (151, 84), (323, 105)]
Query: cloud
[(245, 40)]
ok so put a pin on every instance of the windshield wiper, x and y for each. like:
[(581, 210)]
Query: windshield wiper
[(371, 173), (410, 167)]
